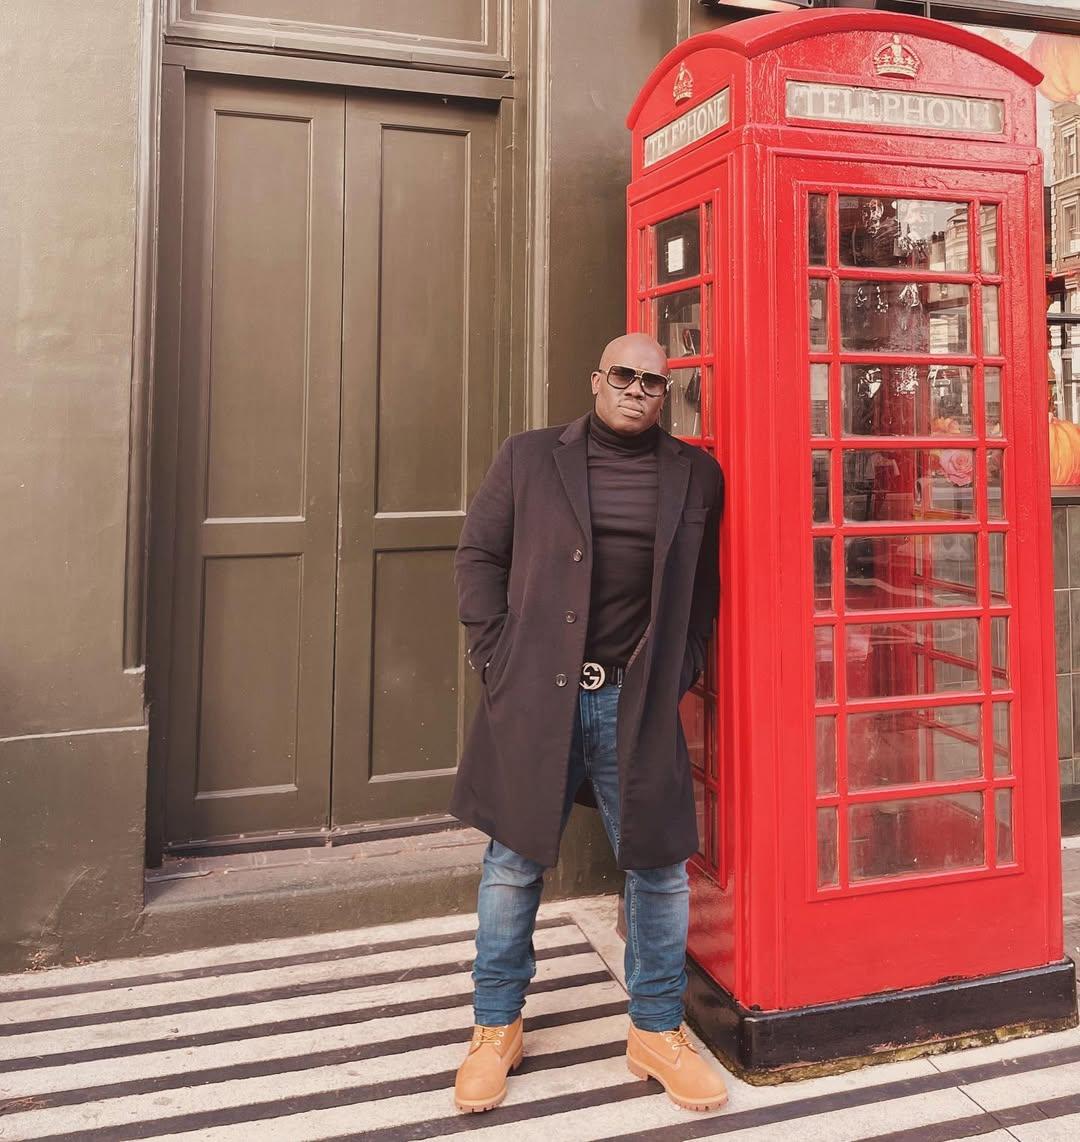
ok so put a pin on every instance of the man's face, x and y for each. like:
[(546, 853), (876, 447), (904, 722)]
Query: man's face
[(629, 410)]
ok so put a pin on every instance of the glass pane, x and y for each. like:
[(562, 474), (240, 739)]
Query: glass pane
[(699, 810), (823, 575), (911, 483), (1002, 752), (681, 414), (995, 480), (999, 653), (712, 743), (1006, 851), (997, 567), (819, 314), (818, 245), (711, 828), (917, 834), (823, 664), (902, 571), (903, 232), (988, 237), (991, 327), (819, 468), (678, 248), (893, 660), (902, 317), (707, 260), (992, 399), (678, 322), (906, 400), (905, 747), (819, 400), (825, 733), (828, 865), (692, 714)]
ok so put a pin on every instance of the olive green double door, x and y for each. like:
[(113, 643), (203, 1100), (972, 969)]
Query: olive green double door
[(337, 354)]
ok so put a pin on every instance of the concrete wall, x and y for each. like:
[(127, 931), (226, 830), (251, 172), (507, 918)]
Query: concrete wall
[(72, 740)]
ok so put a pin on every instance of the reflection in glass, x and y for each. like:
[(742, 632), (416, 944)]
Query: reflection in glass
[(819, 475), (991, 323), (692, 715), (707, 217), (909, 483), (992, 399), (1003, 812), (819, 314), (1002, 752), (906, 400), (678, 322), (916, 834), (999, 653), (897, 660), (823, 574), (995, 483), (909, 747), (818, 245), (819, 400), (903, 232), (710, 710), (825, 739), (823, 664), (998, 593), (678, 248), (828, 864), (899, 317), (906, 571), (681, 414), (988, 237)]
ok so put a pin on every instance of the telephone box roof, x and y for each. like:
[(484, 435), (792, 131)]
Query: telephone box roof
[(759, 34)]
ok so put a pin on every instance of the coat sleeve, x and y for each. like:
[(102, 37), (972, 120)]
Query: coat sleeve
[(482, 560), (706, 583)]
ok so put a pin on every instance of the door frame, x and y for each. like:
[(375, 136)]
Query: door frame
[(155, 416)]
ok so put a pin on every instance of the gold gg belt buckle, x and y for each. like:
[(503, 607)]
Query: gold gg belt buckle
[(593, 676)]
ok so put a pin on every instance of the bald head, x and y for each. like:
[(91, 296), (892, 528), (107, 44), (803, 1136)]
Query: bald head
[(637, 349), (629, 410)]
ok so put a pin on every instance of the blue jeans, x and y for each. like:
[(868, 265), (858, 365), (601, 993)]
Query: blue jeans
[(657, 899)]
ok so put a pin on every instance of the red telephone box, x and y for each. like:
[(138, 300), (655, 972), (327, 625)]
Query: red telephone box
[(835, 228)]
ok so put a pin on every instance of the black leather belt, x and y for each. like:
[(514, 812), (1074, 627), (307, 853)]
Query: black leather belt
[(595, 674)]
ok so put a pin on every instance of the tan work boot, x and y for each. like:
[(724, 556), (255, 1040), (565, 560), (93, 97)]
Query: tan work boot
[(481, 1078), (671, 1059)]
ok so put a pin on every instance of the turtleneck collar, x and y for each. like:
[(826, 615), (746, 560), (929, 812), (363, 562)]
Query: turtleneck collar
[(625, 442)]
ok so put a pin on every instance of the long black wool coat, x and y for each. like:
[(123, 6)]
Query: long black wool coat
[(523, 570)]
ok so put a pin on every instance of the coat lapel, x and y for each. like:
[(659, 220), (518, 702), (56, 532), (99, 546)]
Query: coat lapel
[(673, 472)]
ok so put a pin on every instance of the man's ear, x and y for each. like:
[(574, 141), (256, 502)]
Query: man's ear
[(595, 379)]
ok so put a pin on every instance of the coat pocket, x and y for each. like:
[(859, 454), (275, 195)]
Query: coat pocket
[(502, 649), (695, 515)]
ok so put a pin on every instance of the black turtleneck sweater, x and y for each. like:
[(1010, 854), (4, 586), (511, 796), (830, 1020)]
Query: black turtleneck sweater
[(623, 490)]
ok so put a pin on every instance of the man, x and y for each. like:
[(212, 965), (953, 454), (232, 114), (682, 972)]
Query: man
[(588, 577)]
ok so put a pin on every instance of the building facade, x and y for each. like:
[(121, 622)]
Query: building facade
[(282, 275)]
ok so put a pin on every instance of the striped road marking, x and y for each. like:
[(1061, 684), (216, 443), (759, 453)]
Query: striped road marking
[(356, 1036)]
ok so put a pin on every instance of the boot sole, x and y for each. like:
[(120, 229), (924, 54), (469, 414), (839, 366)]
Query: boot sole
[(643, 1073), (475, 1106)]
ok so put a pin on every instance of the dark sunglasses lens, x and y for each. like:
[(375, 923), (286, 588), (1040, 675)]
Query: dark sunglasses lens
[(621, 376), (653, 384)]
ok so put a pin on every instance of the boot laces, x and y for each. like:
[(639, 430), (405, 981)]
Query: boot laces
[(487, 1035), (678, 1038)]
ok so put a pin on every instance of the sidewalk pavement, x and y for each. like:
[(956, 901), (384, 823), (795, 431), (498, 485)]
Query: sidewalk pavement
[(356, 1035)]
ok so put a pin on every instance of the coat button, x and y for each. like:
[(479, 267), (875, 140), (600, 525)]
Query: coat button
[(560, 679), (571, 616), (578, 555)]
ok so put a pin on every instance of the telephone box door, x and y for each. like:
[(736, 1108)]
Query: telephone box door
[(914, 561)]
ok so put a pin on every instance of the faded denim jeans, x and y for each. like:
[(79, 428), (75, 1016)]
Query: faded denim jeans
[(657, 899)]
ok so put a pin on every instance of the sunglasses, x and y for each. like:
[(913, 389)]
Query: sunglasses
[(652, 384)]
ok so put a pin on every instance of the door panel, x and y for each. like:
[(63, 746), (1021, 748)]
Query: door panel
[(416, 435), (257, 438)]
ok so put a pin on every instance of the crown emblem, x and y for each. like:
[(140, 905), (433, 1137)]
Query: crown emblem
[(684, 85), (896, 58)]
